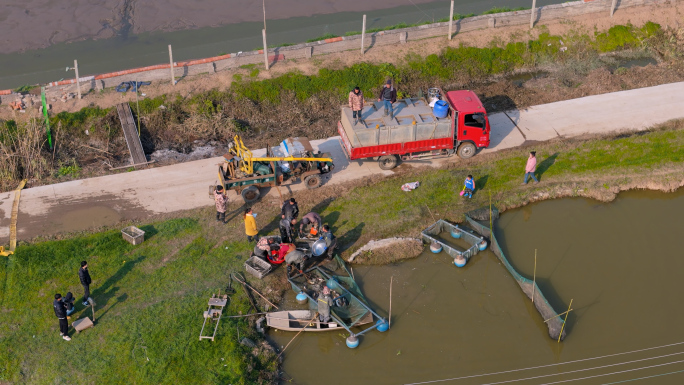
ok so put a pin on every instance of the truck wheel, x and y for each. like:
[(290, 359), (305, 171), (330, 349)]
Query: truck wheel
[(250, 194), (466, 150), (387, 162), (312, 181)]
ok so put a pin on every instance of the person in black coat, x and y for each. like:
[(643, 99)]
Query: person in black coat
[(84, 276), (60, 312), (290, 209)]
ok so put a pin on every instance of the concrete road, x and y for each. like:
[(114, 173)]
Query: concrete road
[(83, 204)]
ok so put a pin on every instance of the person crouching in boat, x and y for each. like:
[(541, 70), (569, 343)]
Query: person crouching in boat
[(324, 303), (296, 258)]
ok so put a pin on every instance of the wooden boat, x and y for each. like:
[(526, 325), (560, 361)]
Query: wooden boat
[(295, 320)]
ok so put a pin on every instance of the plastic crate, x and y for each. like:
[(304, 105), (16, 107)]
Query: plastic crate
[(257, 267), (133, 235)]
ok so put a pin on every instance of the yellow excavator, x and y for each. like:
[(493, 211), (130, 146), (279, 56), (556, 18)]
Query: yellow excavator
[(246, 173)]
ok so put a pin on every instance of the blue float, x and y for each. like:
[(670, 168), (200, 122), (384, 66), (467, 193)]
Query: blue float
[(352, 341), (456, 233), (301, 298), (460, 261), (482, 245), (383, 326), (435, 247), (441, 109)]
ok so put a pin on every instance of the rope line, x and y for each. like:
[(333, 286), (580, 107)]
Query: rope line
[(643, 378), (610, 374), (546, 366), (583, 370)]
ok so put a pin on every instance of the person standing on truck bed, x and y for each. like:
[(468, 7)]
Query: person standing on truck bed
[(388, 95), (290, 209), (356, 104)]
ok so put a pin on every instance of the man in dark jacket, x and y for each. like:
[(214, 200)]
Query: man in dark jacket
[(290, 209), (330, 241), (286, 227), (84, 276), (388, 95), (60, 312)]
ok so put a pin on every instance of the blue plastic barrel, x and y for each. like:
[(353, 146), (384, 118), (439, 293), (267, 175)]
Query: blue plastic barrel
[(441, 109)]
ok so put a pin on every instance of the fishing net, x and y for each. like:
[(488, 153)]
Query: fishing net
[(554, 323)]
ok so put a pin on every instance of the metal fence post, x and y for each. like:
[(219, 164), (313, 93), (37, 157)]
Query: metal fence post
[(263, 33), (78, 81), (451, 18), (173, 77), (612, 8), (534, 8), (363, 35)]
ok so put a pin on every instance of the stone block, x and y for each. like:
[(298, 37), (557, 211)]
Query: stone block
[(403, 36), (492, 22), (308, 52)]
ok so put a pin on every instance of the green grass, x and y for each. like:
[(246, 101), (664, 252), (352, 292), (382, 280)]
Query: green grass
[(151, 296), (323, 37), (502, 10)]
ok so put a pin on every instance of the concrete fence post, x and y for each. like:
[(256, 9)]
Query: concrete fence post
[(451, 19), (173, 77), (78, 81), (263, 34), (612, 8), (363, 35), (534, 9)]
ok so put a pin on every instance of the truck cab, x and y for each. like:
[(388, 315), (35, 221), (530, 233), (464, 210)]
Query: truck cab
[(471, 125)]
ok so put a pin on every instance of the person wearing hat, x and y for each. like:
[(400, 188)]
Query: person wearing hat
[(310, 221), (388, 95), (295, 258), (531, 167), (221, 201), (60, 311), (356, 104), (324, 303)]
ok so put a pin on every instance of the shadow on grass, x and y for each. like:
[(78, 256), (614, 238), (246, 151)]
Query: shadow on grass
[(150, 231), (350, 237), (103, 294), (481, 182), (546, 164)]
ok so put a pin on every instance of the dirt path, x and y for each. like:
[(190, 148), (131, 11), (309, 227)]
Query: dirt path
[(104, 201)]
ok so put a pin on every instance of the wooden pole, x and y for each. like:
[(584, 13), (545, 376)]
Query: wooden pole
[(78, 81), (263, 34), (558, 315), (255, 290), (263, 4), (491, 234), (534, 277), (566, 318), (451, 19), (363, 35), (305, 326), (534, 9), (173, 77), (612, 8), (389, 317)]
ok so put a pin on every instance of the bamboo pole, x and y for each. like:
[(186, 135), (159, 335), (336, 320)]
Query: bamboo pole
[(255, 290), (451, 19), (78, 80), (363, 35), (173, 76), (558, 315), (389, 317), (305, 326), (533, 13), (534, 276), (566, 318)]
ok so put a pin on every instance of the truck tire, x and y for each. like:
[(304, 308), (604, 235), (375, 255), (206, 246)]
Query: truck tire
[(251, 194), (466, 150), (312, 181), (388, 162)]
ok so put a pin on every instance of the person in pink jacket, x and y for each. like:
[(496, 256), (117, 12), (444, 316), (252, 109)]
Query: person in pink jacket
[(531, 167)]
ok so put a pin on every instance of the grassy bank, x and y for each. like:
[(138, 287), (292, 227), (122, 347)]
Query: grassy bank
[(295, 104), (151, 296)]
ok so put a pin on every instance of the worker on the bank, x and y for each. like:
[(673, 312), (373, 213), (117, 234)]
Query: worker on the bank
[(387, 96), (84, 277), (330, 241), (60, 312), (221, 201), (297, 259), (324, 303), (286, 227), (468, 187), (356, 104), (290, 209), (250, 225), (264, 247), (310, 221)]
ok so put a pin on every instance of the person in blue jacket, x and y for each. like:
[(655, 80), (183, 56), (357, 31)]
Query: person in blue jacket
[(469, 187)]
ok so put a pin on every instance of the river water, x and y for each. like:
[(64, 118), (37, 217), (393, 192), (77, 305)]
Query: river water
[(619, 262), (115, 54)]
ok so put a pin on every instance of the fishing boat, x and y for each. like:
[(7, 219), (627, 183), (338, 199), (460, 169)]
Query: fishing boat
[(296, 320)]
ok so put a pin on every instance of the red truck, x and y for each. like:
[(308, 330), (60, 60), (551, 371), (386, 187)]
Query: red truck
[(415, 131)]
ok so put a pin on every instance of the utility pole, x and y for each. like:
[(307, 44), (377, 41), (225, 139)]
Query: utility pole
[(363, 35), (451, 18), (78, 81), (612, 8), (263, 34), (534, 5), (173, 77)]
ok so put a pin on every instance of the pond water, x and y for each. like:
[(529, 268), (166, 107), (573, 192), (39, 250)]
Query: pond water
[(619, 262)]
